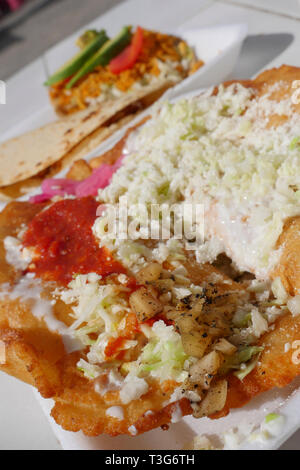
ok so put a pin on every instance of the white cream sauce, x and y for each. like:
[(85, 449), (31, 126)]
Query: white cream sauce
[(241, 240), (109, 382), (29, 289), (16, 256), (177, 414)]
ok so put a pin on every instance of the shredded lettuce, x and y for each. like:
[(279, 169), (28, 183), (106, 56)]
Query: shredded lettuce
[(271, 417), (163, 357), (90, 371), (241, 357), (294, 143), (242, 319), (242, 373)]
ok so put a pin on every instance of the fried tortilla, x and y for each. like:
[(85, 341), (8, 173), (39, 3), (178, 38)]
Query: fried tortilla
[(37, 356), (163, 334)]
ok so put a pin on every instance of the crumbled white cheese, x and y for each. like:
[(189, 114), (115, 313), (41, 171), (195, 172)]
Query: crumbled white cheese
[(115, 412), (122, 278), (293, 304), (113, 380), (16, 255), (176, 414), (279, 291), (133, 388), (215, 149), (181, 292), (132, 429), (259, 323), (270, 428)]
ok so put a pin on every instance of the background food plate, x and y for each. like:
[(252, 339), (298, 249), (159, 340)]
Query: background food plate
[(29, 106), (218, 47)]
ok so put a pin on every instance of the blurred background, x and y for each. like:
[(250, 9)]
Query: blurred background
[(29, 27)]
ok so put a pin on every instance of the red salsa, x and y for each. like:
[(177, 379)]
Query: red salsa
[(64, 244)]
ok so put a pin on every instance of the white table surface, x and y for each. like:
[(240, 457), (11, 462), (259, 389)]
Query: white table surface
[(274, 38)]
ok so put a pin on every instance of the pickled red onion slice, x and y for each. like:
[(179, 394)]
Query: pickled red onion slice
[(99, 179)]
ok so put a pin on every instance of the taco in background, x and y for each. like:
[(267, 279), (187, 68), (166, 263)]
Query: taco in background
[(128, 63)]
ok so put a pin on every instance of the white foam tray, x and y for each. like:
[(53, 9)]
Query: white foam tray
[(285, 401)]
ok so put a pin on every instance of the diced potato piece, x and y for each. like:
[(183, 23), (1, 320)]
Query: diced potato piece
[(195, 343), (193, 305), (150, 273), (144, 304), (197, 307), (209, 364), (182, 280), (165, 298), (171, 313), (218, 325), (151, 289), (165, 274), (214, 401), (164, 285), (204, 370), (225, 347), (185, 322)]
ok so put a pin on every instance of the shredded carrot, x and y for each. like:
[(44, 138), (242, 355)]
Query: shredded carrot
[(114, 346), (131, 326)]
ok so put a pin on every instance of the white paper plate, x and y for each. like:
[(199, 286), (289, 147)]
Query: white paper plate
[(219, 47), (285, 401)]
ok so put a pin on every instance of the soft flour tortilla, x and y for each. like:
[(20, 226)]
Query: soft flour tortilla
[(30, 154), (16, 190)]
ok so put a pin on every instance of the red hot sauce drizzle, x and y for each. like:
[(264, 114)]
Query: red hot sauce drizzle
[(64, 245)]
